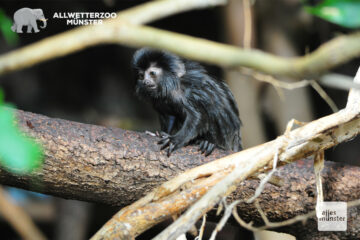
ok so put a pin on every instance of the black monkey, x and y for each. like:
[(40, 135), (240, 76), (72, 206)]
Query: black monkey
[(193, 107)]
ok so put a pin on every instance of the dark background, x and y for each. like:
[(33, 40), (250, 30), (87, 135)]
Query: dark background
[(96, 86)]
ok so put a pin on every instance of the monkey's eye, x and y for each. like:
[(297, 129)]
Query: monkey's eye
[(152, 74), (141, 75)]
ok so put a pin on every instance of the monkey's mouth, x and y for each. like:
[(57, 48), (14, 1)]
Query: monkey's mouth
[(151, 87)]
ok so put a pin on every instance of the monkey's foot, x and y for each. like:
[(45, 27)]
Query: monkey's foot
[(170, 143), (206, 147)]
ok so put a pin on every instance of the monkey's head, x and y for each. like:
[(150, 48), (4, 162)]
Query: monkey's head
[(156, 72)]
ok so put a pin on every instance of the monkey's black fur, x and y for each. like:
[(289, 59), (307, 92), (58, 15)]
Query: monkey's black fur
[(193, 107)]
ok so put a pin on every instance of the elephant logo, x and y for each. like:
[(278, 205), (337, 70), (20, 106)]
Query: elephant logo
[(27, 17)]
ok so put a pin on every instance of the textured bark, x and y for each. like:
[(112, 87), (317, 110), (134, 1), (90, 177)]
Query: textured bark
[(99, 164), (298, 196), (117, 167)]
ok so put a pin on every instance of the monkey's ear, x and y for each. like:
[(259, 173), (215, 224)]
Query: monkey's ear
[(181, 69)]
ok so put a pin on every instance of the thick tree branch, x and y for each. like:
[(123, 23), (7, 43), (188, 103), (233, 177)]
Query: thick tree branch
[(124, 30), (117, 167), (94, 163)]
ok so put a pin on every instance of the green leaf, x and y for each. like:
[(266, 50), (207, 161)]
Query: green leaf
[(342, 12), (18, 153), (5, 28)]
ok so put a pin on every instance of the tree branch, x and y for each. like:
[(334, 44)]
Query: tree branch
[(117, 167), (86, 36), (155, 10), (124, 30), (94, 163)]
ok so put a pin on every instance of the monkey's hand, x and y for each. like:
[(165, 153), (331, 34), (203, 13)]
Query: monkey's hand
[(170, 142), (206, 147), (187, 132)]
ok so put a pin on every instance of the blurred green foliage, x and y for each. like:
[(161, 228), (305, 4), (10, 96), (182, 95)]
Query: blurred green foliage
[(345, 13), (5, 27), (18, 153)]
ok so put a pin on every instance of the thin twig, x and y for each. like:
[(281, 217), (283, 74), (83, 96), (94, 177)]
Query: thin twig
[(18, 218), (338, 81), (220, 208), (247, 23), (277, 84), (324, 95), (261, 212), (318, 167), (291, 124), (248, 226), (266, 179), (227, 214), (269, 225), (202, 228)]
